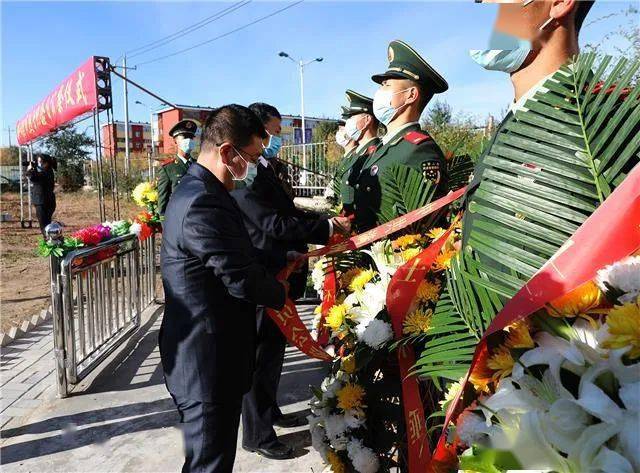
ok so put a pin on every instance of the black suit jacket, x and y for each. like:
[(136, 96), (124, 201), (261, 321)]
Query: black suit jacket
[(42, 185), (212, 281), (275, 224)]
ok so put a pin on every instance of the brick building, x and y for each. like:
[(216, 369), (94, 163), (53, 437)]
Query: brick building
[(113, 142)]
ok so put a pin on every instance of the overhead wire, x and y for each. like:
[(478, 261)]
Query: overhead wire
[(189, 29), (257, 20)]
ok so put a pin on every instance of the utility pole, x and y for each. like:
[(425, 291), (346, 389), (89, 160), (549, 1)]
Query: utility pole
[(127, 155), (9, 133), (301, 65)]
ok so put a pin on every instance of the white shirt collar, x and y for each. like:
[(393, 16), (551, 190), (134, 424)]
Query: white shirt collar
[(390, 136), (519, 105), (262, 160), (184, 160)]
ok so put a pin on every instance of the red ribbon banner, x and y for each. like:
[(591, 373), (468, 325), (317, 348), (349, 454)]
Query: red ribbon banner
[(74, 97), (611, 233), (288, 319), (400, 295)]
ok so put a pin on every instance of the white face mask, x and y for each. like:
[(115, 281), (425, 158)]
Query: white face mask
[(242, 175), (382, 108), (341, 138), (351, 129)]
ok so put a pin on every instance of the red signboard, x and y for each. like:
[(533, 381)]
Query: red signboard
[(75, 96)]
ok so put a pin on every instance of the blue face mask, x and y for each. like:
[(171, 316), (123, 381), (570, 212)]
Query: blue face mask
[(506, 53), (187, 145), (271, 151), (382, 108)]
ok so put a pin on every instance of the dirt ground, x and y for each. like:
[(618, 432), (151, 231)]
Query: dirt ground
[(24, 276)]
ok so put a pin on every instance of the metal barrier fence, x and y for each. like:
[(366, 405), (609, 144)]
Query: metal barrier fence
[(310, 169), (98, 295)]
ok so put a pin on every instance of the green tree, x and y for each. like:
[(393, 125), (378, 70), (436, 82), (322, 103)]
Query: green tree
[(71, 149), (9, 156), (325, 131)]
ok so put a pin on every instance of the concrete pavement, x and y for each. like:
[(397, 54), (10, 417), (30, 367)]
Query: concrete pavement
[(123, 420)]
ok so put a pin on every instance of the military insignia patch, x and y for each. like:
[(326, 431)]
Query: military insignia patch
[(374, 170), (431, 171)]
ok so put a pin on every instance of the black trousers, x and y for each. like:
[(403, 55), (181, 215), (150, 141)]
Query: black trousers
[(210, 433), (259, 406), (44, 214)]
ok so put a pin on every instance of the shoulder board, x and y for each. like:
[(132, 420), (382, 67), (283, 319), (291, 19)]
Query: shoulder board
[(167, 161), (416, 137), (599, 89)]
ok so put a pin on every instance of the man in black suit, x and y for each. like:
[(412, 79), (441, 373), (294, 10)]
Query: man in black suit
[(274, 224), (212, 281)]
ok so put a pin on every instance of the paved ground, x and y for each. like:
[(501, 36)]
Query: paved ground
[(123, 420)]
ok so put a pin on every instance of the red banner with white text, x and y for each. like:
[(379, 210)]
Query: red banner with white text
[(75, 96)]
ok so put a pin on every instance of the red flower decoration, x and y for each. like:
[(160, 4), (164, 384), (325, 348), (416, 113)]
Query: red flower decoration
[(88, 236)]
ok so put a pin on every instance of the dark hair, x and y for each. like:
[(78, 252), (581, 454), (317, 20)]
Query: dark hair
[(47, 158), (233, 123), (582, 8), (265, 111), (425, 96)]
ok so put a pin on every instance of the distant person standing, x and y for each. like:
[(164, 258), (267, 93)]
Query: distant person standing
[(172, 170), (43, 197)]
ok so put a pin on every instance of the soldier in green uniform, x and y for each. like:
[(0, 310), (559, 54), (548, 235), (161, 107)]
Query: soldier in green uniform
[(362, 128), (333, 190), (405, 89), (172, 170)]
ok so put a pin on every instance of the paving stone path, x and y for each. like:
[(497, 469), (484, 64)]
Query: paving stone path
[(122, 418)]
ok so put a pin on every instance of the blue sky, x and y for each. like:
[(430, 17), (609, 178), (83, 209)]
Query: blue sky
[(43, 42)]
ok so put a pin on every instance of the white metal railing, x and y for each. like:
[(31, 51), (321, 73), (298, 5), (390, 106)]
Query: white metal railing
[(98, 294), (309, 167)]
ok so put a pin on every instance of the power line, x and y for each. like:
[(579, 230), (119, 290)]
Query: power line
[(189, 29), (258, 20)]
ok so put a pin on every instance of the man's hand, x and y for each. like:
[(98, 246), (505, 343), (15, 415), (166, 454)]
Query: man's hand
[(342, 225)]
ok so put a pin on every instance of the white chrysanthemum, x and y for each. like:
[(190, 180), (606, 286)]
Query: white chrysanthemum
[(317, 275), (364, 459), (365, 305), (330, 387), (318, 436), (354, 418), (135, 228), (336, 429), (374, 333), (624, 276)]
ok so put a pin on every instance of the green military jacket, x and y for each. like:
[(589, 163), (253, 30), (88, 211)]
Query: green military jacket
[(410, 146), (169, 177), (352, 167)]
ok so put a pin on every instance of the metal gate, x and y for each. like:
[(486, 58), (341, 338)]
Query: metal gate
[(310, 169), (98, 295)]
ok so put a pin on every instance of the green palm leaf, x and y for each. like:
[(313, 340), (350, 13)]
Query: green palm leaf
[(547, 170), (403, 190)]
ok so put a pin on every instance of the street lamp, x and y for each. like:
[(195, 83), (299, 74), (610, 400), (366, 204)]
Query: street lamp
[(301, 65), (138, 102)]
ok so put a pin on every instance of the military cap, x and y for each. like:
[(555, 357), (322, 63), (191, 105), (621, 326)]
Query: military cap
[(347, 113), (185, 127), (406, 63), (359, 103)]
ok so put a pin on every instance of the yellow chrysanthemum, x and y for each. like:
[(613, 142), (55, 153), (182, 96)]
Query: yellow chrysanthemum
[(452, 392), (502, 362), (348, 364), (362, 278), (417, 322), (347, 277), (152, 196), (335, 317), (410, 253), (141, 191), (428, 291), (317, 310), (335, 462), (519, 336), (443, 260), (436, 233), (405, 241), (580, 302), (351, 396), (624, 329)]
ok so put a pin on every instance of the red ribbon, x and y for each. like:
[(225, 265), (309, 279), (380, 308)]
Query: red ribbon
[(611, 233), (329, 289), (288, 319), (400, 295)]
